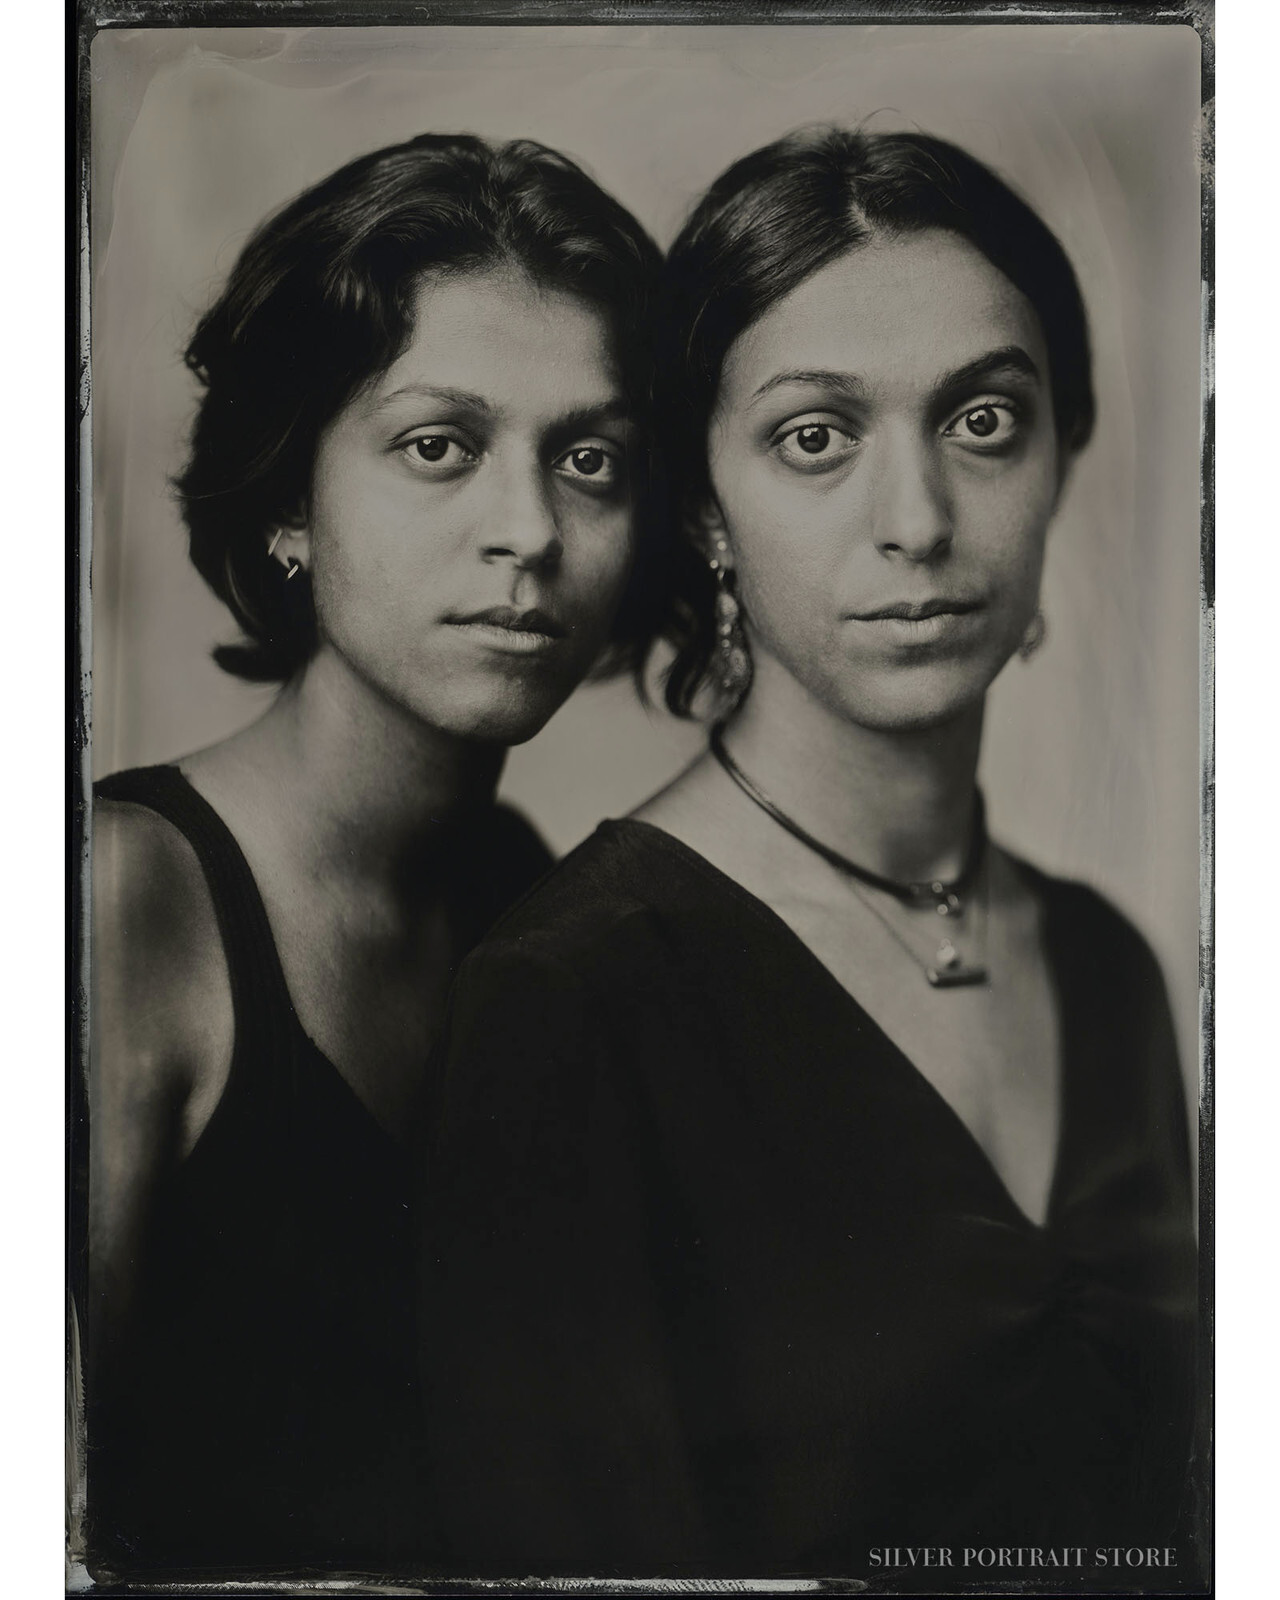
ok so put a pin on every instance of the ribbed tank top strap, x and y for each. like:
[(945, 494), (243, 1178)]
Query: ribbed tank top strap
[(264, 1012)]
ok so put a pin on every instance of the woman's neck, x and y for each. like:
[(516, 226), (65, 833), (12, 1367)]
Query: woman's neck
[(353, 784), (898, 803)]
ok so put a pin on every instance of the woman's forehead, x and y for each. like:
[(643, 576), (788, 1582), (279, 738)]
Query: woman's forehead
[(503, 313), (498, 334), (896, 313)]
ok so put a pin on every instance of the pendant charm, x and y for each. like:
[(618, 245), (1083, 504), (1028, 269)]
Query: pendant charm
[(950, 972), (955, 977)]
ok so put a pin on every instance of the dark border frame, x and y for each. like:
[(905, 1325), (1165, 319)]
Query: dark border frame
[(91, 17)]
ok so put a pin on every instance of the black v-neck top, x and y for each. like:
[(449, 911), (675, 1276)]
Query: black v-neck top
[(262, 1413), (717, 1283)]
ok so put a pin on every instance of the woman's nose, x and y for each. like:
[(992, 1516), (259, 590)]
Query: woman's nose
[(912, 514), (524, 527)]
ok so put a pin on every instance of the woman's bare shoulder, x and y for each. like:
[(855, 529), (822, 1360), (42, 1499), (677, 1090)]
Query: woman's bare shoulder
[(163, 1013)]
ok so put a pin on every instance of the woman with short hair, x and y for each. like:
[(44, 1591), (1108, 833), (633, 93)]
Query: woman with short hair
[(416, 479)]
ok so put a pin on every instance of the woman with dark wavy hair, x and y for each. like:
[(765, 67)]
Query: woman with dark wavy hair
[(811, 1176), (415, 479)]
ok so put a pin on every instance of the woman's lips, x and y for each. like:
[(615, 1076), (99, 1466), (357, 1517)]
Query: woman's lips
[(917, 610), (920, 621), (509, 629)]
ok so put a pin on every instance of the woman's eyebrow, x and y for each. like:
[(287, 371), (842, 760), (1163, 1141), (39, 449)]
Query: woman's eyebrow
[(463, 398), (607, 409), (1009, 361), (846, 384), (612, 409)]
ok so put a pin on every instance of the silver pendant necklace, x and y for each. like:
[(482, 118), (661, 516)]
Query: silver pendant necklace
[(948, 969)]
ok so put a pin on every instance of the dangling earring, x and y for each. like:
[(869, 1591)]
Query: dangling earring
[(1033, 638), (275, 540), (732, 659)]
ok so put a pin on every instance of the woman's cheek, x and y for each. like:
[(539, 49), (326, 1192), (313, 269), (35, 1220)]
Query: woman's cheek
[(789, 546), (616, 540), (788, 606), (597, 571)]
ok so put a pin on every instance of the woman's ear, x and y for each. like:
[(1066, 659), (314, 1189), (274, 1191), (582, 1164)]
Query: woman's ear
[(289, 543)]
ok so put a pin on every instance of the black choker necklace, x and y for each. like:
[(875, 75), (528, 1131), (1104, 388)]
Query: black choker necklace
[(944, 897)]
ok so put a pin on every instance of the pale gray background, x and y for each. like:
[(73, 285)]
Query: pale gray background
[(1091, 762)]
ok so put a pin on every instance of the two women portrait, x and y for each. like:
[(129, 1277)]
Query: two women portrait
[(644, 1009)]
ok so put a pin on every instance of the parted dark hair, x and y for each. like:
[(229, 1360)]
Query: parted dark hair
[(772, 220), (321, 300)]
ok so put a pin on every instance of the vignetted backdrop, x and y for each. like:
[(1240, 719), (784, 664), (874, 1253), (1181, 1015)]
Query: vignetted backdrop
[(1091, 765)]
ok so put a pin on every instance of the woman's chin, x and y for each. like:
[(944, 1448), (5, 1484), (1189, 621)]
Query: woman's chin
[(913, 702), (506, 719)]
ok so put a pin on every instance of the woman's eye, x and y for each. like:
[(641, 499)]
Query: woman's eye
[(592, 465), (814, 444), (438, 450), (985, 427)]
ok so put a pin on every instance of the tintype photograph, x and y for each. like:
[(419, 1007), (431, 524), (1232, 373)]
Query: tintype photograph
[(643, 785)]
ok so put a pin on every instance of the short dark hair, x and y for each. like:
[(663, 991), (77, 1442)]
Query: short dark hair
[(321, 299), (772, 220)]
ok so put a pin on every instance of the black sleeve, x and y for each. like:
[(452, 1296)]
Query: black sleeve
[(556, 1438), (1134, 1013), (1149, 1152)]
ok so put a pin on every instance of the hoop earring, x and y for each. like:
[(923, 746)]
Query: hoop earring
[(732, 659), (1034, 637), (293, 568)]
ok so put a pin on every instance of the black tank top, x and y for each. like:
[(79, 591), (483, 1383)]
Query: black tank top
[(263, 1414)]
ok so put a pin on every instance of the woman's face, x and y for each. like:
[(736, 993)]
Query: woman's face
[(884, 466), (469, 525)]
